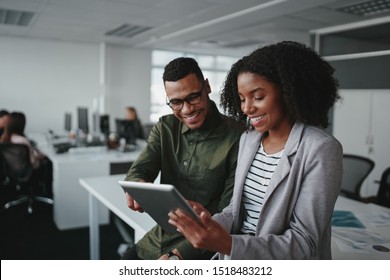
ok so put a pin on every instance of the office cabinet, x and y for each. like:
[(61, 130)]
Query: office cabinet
[(362, 124)]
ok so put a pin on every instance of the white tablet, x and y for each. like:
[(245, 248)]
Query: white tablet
[(158, 200)]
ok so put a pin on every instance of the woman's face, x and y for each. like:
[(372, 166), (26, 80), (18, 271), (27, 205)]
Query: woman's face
[(130, 115), (261, 101)]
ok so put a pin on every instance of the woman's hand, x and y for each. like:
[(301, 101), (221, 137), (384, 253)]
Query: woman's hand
[(206, 233)]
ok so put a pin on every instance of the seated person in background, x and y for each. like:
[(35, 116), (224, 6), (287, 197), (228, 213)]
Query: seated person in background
[(195, 148), (131, 115), (3, 120), (288, 169), (14, 133)]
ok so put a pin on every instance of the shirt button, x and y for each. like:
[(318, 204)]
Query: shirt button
[(185, 163)]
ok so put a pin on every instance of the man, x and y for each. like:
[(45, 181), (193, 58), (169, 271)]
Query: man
[(195, 148)]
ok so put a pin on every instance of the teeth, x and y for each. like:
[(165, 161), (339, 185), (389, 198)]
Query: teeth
[(192, 116), (257, 118)]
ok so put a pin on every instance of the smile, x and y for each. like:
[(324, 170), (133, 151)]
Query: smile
[(192, 116), (255, 119)]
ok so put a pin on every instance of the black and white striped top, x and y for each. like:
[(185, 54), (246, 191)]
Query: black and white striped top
[(255, 186)]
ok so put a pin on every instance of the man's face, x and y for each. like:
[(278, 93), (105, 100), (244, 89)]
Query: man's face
[(193, 116)]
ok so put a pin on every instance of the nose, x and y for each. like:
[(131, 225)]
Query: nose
[(247, 107), (187, 108)]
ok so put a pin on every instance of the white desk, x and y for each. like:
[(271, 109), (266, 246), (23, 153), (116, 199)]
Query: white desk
[(107, 191), (362, 211), (70, 209)]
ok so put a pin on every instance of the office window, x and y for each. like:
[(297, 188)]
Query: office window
[(214, 68)]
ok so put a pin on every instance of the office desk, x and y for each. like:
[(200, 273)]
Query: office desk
[(70, 209), (363, 212), (107, 191)]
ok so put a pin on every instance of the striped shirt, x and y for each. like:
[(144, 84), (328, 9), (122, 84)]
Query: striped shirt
[(255, 186)]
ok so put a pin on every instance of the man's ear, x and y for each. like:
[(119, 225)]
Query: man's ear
[(207, 86)]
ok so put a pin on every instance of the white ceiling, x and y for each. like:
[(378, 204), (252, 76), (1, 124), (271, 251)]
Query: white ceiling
[(208, 26)]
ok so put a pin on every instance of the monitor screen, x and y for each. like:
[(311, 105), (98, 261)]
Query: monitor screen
[(82, 115), (68, 122), (126, 129), (105, 124)]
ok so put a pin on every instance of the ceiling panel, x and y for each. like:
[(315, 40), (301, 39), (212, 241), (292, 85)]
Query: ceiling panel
[(223, 26)]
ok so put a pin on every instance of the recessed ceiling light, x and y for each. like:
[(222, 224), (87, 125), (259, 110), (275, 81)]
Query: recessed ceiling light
[(368, 8), (14, 17), (127, 30)]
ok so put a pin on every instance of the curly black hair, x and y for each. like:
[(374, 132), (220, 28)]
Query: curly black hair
[(306, 81), (181, 67)]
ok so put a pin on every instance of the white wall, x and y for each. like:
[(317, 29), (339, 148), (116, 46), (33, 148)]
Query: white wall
[(128, 81), (44, 79)]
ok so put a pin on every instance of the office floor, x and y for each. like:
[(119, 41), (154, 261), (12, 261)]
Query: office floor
[(36, 237)]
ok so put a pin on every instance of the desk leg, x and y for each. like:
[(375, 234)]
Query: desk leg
[(93, 228)]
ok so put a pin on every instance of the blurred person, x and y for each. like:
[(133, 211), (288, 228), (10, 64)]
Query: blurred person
[(132, 115), (3, 121), (14, 133)]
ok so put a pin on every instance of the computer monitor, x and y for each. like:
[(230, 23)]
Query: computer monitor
[(126, 129), (82, 116), (104, 124), (68, 122)]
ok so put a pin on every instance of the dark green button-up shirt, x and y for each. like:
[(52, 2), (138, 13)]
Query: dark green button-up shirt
[(200, 163)]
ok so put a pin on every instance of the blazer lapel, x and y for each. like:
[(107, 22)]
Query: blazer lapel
[(248, 149), (284, 166)]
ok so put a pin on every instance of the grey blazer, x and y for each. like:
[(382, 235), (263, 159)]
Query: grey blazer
[(295, 222)]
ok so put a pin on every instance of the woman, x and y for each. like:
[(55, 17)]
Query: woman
[(14, 133), (289, 170), (3, 121), (131, 115)]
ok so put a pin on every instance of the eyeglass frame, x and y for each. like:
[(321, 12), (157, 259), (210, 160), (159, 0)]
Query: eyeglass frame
[(195, 95)]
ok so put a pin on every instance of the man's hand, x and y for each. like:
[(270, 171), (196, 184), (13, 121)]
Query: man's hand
[(132, 204)]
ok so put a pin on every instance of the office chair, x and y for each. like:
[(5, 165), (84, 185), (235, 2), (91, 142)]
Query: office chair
[(147, 127), (18, 172), (383, 195), (355, 171)]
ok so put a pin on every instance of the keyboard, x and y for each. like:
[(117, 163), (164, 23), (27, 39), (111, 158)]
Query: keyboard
[(87, 150), (60, 148)]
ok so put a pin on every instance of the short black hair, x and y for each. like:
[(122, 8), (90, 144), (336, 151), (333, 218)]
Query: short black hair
[(181, 67), (306, 82), (3, 113)]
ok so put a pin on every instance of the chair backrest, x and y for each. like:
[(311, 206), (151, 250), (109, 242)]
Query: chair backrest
[(147, 127), (383, 197), (15, 160), (355, 171)]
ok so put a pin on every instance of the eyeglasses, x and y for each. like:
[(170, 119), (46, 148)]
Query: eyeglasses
[(192, 99)]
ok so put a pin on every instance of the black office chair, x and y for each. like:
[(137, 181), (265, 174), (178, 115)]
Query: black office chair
[(383, 195), (355, 171), (147, 127), (18, 173)]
